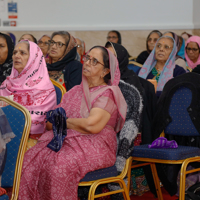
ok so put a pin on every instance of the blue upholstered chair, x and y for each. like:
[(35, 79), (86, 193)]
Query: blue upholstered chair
[(20, 122), (60, 90), (107, 175), (133, 65), (180, 125)]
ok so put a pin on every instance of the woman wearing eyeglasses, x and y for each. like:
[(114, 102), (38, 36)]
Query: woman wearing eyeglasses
[(114, 36), (62, 66), (192, 49), (96, 111), (160, 65), (178, 60), (150, 43), (43, 43)]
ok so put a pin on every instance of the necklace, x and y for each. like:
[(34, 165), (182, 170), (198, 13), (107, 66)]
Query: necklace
[(158, 70), (103, 83)]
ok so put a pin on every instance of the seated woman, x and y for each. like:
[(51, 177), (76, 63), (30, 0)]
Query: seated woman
[(160, 65), (29, 37), (80, 48), (43, 43), (12, 37), (30, 85), (150, 43), (114, 36), (96, 111), (6, 50), (179, 60), (192, 49), (62, 65), (181, 52), (185, 36)]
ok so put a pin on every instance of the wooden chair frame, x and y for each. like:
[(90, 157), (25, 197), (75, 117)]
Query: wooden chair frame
[(118, 179), (22, 147)]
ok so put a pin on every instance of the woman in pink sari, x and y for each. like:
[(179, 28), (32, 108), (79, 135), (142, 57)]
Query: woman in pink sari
[(30, 85), (96, 111)]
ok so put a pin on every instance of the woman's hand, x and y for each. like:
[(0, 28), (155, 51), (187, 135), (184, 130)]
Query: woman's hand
[(95, 122), (49, 126)]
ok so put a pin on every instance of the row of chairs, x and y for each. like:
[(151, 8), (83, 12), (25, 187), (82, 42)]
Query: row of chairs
[(142, 154)]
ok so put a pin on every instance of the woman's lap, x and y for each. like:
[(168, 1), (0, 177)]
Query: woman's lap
[(60, 172)]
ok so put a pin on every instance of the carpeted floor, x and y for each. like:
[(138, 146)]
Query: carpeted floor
[(150, 196)]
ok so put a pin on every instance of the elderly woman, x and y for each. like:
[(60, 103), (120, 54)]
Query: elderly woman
[(6, 50), (62, 65), (178, 60), (114, 36), (192, 49), (185, 36), (150, 43), (30, 85), (43, 43), (160, 64), (29, 37), (96, 111), (80, 48)]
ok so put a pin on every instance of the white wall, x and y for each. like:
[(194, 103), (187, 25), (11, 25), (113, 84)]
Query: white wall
[(72, 15)]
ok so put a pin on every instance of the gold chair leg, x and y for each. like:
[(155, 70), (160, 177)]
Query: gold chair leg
[(126, 192), (91, 195), (182, 181), (156, 181)]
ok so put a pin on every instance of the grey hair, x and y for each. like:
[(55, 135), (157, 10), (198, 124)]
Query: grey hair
[(64, 34), (168, 37), (26, 42)]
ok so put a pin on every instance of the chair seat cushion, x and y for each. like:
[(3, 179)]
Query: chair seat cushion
[(101, 173), (4, 197), (182, 152)]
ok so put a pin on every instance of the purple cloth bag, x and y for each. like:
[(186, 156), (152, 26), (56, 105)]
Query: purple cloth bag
[(163, 143)]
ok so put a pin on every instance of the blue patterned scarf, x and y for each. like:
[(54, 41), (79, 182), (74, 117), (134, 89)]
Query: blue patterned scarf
[(58, 119)]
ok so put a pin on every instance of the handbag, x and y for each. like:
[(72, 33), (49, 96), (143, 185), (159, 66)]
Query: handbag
[(193, 192)]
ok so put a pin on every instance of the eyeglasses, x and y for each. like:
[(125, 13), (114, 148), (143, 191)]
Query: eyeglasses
[(193, 49), (93, 61), (43, 43), (58, 44), (78, 46), (152, 39), (111, 37), (166, 47)]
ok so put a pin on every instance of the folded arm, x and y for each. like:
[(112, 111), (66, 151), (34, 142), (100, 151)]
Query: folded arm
[(93, 124)]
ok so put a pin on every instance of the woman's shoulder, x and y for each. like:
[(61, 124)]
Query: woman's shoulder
[(178, 71), (74, 65), (142, 57), (181, 62)]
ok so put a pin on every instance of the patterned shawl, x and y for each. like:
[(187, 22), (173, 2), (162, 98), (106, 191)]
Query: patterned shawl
[(167, 72), (32, 88), (189, 62)]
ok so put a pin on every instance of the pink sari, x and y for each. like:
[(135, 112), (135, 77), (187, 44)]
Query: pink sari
[(50, 175), (32, 88)]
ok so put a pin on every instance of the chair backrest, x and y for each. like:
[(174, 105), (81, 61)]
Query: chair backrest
[(60, 90), (132, 65), (20, 122), (181, 122)]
